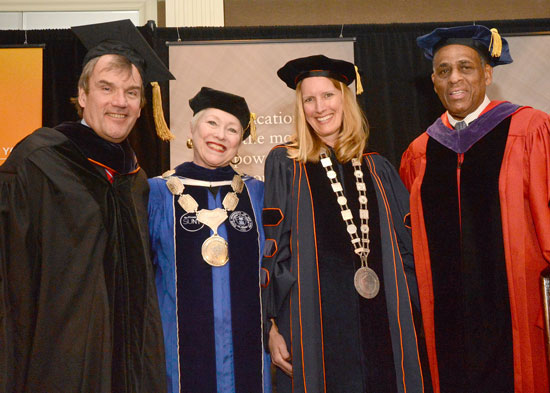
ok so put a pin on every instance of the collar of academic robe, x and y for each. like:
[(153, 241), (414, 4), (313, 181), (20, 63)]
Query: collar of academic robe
[(461, 141), (194, 171), (119, 157)]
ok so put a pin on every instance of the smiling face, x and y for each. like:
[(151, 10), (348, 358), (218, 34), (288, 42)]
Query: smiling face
[(112, 104), (323, 107), (460, 79), (216, 138)]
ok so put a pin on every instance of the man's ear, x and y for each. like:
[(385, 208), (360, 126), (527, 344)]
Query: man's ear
[(433, 79), (82, 97)]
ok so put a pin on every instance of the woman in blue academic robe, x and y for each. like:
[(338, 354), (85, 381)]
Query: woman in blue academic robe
[(206, 235)]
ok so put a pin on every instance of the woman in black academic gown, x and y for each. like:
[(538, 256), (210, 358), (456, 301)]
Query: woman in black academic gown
[(338, 306), (206, 234)]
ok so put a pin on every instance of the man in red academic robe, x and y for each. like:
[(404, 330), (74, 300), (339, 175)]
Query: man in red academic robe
[(479, 179)]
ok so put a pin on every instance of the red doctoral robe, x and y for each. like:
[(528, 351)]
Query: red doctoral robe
[(524, 193)]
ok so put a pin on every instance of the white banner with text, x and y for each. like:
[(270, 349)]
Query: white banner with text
[(248, 69)]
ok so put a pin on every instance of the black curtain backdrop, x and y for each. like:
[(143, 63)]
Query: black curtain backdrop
[(399, 100)]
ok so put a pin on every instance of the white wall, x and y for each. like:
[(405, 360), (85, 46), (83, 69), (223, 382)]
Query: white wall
[(61, 19), (40, 14)]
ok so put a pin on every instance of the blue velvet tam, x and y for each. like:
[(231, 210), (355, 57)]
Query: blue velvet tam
[(487, 42)]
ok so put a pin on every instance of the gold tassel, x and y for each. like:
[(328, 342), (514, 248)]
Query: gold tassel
[(495, 46), (252, 125), (358, 83), (163, 131)]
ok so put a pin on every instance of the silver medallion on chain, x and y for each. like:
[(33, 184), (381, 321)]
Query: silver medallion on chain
[(365, 279)]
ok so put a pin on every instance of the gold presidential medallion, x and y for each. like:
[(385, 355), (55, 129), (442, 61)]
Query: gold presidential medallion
[(214, 251)]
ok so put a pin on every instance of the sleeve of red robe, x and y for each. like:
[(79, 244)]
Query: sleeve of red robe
[(524, 186)]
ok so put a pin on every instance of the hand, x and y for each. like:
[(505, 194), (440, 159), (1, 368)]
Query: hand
[(279, 352)]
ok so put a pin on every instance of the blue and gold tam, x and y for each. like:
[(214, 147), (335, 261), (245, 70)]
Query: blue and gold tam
[(487, 42)]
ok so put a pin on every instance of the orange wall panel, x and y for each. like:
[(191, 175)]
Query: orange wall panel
[(20, 95)]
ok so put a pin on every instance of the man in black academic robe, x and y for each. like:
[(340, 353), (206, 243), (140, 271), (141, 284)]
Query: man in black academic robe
[(78, 306)]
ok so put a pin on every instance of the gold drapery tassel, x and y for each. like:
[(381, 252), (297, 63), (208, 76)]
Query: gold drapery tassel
[(495, 46), (252, 125), (358, 83), (163, 131)]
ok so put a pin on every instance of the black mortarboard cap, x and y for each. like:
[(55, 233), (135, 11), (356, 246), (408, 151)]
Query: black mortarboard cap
[(487, 42), (227, 102), (319, 65), (123, 38)]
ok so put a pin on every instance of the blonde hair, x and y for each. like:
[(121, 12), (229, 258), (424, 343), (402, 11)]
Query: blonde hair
[(305, 145)]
